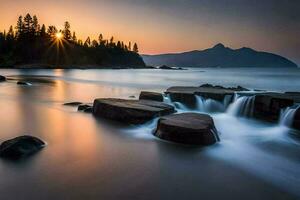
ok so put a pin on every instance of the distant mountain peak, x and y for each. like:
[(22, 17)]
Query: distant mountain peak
[(219, 46)]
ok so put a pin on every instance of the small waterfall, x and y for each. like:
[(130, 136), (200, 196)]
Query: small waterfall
[(210, 105), (287, 116), (242, 106), (167, 99)]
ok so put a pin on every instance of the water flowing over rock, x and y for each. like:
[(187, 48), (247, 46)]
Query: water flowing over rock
[(130, 111), (154, 96), (187, 128), (242, 106), (20, 146), (290, 117)]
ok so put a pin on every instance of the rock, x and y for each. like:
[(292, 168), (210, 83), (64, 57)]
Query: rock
[(23, 83), (20, 146), (293, 95), (75, 103), (2, 78), (131, 97), (187, 128), (154, 96), (267, 106), (87, 108), (130, 111), (165, 67), (296, 122)]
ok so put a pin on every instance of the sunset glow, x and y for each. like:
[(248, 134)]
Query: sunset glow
[(59, 36)]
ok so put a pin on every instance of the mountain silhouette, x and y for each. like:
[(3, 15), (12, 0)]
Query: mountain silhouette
[(220, 56)]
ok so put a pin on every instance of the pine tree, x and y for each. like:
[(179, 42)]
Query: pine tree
[(135, 48), (10, 34), (52, 31), (43, 31), (129, 46), (19, 27), (74, 38), (35, 27), (27, 24), (67, 32), (87, 42), (94, 43)]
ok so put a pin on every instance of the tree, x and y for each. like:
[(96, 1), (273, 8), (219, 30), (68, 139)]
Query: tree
[(135, 48), (87, 42), (129, 46), (94, 43), (67, 31), (35, 27), (27, 24), (43, 31), (19, 27), (100, 38), (52, 31), (74, 38), (10, 34)]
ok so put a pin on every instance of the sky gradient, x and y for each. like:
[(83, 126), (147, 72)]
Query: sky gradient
[(161, 26)]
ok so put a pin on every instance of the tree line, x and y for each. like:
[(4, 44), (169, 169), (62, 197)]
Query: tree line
[(29, 42)]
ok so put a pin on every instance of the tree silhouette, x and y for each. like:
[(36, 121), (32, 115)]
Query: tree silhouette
[(32, 43), (67, 32), (135, 48)]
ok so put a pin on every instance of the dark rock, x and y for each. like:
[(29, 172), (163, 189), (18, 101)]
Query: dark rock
[(2, 78), (132, 97), (130, 111), (20, 146), (154, 96), (75, 103), (293, 95), (23, 83), (87, 108), (187, 128), (165, 67), (296, 122), (267, 106)]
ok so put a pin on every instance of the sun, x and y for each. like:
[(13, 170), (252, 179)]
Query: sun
[(59, 36)]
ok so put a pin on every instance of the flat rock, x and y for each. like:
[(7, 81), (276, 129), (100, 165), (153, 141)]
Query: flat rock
[(75, 103), (267, 106), (23, 83), (20, 146), (187, 95), (154, 96), (187, 128), (130, 111), (2, 78)]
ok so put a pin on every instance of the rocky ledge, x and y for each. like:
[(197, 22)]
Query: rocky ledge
[(187, 95), (130, 111), (20, 146), (154, 96), (187, 128)]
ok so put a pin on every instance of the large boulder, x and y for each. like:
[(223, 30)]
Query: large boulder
[(187, 128), (2, 78), (130, 111), (154, 96), (87, 108), (267, 106), (20, 146)]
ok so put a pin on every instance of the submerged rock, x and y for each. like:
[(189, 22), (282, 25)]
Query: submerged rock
[(187, 128), (20, 146), (87, 108), (75, 103), (130, 111), (154, 96), (23, 83), (2, 78)]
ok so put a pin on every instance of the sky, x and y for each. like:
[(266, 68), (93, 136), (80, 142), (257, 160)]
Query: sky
[(165, 26)]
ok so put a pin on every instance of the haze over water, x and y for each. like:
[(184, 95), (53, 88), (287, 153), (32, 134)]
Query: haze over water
[(86, 158)]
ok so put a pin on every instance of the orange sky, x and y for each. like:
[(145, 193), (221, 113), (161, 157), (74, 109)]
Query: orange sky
[(160, 27)]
